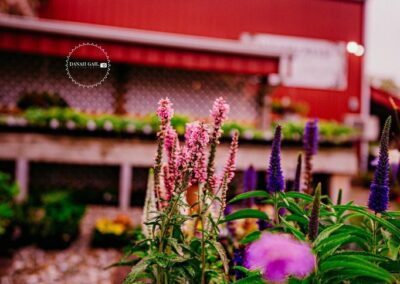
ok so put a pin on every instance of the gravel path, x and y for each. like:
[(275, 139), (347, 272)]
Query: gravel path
[(78, 264)]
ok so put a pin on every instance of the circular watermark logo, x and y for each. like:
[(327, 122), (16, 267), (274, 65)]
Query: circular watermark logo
[(87, 73)]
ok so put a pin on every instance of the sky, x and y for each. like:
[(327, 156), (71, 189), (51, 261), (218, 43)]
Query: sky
[(383, 39)]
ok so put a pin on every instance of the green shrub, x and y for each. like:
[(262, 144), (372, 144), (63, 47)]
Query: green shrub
[(57, 221)]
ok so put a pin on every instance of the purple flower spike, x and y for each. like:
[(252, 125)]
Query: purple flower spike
[(279, 256), (238, 261), (250, 183), (311, 137), (310, 144), (263, 224), (275, 180), (379, 196)]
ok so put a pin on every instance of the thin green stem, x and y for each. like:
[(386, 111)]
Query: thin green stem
[(276, 211), (374, 226), (202, 203)]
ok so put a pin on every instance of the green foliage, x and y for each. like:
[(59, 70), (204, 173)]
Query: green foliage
[(8, 191), (57, 220), (353, 245), (40, 100), (292, 131)]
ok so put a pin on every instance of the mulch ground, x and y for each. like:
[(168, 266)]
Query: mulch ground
[(77, 264)]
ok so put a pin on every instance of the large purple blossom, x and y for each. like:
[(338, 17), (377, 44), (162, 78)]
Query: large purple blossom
[(379, 195), (275, 180), (250, 183), (279, 256)]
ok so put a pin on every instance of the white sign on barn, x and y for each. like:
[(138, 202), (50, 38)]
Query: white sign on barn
[(304, 62)]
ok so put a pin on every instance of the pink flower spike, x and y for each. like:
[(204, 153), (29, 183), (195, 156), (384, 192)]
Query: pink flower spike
[(230, 167), (193, 154), (169, 186), (219, 112), (279, 256), (165, 111), (171, 138)]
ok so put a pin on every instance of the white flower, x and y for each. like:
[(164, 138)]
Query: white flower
[(108, 126), (268, 135), (54, 123), (147, 129), (130, 128), (70, 124), (91, 125), (248, 134), (11, 121)]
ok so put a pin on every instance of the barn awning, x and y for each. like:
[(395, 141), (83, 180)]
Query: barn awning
[(384, 98), (58, 38)]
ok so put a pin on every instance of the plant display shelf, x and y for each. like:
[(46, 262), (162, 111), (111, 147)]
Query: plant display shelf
[(338, 161)]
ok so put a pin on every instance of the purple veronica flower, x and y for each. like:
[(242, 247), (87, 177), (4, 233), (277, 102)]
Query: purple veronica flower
[(379, 195), (311, 137), (238, 261), (250, 183), (279, 256), (310, 144), (275, 180), (263, 224)]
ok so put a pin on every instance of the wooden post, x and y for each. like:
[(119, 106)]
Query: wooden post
[(22, 177), (125, 185)]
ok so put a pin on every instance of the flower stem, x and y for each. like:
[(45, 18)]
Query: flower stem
[(276, 210), (374, 225), (202, 213)]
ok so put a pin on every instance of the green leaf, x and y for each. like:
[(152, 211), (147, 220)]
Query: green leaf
[(136, 272), (221, 251), (254, 279), (356, 266), (250, 194), (294, 194), (297, 233), (253, 236), (364, 255), (363, 211), (326, 233), (394, 249), (245, 213)]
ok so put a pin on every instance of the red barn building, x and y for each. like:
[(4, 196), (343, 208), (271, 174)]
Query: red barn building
[(192, 51), (205, 35)]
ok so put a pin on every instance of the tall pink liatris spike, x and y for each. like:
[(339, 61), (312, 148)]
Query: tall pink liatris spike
[(230, 167), (229, 171), (213, 183), (192, 155), (171, 145), (200, 170), (165, 112), (219, 113), (197, 144)]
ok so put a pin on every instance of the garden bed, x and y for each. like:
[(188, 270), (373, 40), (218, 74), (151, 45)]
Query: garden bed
[(75, 265)]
